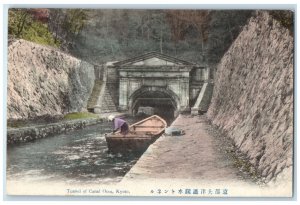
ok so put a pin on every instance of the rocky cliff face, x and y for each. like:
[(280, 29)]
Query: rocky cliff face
[(253, 96), (44, 81)]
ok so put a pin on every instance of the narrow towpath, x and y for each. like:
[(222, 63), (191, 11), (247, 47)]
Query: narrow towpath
[(197, 157)]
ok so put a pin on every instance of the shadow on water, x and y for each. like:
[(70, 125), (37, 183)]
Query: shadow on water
[(79, 156)]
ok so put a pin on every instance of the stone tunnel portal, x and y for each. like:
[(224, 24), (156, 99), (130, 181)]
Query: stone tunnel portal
[(164, 102), (155, 80)]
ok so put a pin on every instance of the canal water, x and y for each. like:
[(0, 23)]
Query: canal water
[(79, 156)]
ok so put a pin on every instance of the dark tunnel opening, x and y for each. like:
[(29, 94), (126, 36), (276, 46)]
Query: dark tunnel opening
[(155, 103)]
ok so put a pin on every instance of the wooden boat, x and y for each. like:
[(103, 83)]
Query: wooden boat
[(140, 136)]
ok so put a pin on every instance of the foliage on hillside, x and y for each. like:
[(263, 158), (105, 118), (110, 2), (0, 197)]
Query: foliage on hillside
[(31, 25), (65, 24), (200, 36), (98, 35), (46, 26)]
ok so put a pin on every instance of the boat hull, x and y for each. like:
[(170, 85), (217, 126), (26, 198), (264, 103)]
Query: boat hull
[(130, 144), (140, 136)]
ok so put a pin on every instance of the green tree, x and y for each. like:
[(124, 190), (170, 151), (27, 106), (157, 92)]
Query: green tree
[(55, 22), (17, 21), (31, 25), (66, 24), (73, 22)]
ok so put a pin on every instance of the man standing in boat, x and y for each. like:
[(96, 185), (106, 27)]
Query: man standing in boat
[(119, 124)]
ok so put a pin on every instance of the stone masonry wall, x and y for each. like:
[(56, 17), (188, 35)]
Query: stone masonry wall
[(27, 134), (112, 83), (253, 96), (45, 81)]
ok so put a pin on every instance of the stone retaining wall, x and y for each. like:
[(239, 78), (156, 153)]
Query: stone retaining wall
[(253, 96), (45, 81), (26, 134)]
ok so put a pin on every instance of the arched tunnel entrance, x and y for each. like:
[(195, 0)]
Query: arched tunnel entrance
[(162, 102)]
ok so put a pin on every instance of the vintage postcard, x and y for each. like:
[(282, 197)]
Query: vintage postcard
[(150, 102)]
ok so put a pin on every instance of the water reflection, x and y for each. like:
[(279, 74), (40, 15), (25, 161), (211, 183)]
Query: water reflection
[(78, 156)]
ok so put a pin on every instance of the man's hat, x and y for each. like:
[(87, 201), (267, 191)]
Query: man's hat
[(111, 117)]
